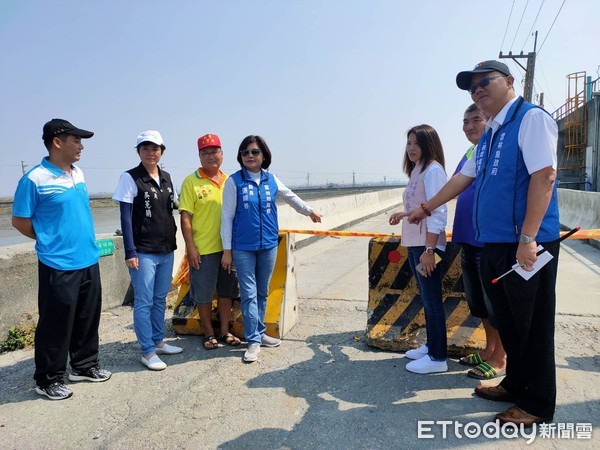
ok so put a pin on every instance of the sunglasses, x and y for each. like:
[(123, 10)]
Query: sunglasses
[(484, 82), (254, 151)]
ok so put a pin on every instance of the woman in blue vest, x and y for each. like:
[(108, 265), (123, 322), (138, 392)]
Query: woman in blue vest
[(249, 231), (146, 198)]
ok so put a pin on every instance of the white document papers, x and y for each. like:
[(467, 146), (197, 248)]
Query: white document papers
[(541, 262)]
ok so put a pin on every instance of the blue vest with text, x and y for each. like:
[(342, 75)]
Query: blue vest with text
[(502, 184), (255, 225)]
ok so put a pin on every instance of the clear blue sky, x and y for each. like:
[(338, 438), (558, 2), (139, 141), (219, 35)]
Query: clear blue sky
[(331, 85)]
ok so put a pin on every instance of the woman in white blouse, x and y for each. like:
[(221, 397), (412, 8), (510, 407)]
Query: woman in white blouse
[(426, 242)]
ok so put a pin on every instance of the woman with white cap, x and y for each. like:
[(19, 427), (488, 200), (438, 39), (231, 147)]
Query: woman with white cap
[(147, 198)]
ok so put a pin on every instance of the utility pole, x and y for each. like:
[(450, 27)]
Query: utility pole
[(529, 70), (353, 179), (23, 167), (307, 179)]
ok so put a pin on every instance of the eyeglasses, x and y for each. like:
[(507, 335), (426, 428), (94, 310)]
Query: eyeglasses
[(206, 154), (482, 83), (254, 151)]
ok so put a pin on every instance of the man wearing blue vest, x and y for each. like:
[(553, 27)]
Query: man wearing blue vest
[(515, 210), (52, 206)]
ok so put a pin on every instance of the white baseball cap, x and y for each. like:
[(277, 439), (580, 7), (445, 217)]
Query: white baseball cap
[(150, 136)]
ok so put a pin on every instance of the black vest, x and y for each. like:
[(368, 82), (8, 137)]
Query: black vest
[(152, 221)]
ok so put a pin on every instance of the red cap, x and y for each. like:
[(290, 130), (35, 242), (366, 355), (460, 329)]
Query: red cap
[(209, 140)]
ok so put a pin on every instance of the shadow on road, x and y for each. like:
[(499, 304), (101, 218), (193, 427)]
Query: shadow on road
[(354, 403)]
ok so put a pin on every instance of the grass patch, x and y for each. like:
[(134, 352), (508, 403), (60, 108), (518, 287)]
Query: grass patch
[(19, 336)]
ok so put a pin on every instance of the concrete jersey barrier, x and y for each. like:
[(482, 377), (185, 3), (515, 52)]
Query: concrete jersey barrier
[(340, 211), (19, 282), (579, 208)]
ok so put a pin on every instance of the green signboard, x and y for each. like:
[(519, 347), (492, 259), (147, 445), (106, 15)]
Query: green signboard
[(106, 246)]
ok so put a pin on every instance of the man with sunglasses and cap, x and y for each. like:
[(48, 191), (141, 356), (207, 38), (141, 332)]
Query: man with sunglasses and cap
[(51, 205), (515, 210)]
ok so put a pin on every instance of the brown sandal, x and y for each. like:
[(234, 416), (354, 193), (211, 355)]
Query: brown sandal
[(230, 339), (210, 342)]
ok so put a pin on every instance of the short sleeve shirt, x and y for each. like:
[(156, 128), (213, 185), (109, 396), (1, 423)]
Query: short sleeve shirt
[(537, 139), (127, 190), (58, 204), (203, 200)]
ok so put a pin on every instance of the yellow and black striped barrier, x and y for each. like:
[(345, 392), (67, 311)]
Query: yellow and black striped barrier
[(282, 302), (396, 318)]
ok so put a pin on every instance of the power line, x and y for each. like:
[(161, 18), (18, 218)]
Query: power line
[(507, 23), (533, 24), (519, 26), (561, 6), (546, 98), (519, 72), (547, 85)]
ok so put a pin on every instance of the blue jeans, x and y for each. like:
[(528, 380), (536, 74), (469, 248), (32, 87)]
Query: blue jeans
[(151, 283), (430, 289), (254, 270)]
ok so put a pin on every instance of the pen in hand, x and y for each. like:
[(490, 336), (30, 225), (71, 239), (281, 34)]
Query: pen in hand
[(562, 238)]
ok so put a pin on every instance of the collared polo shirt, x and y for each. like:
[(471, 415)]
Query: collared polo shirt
[(203, 199), (58, 204)]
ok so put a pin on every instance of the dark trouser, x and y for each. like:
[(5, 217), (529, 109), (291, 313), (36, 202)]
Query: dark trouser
[(525, 312), (69, 304), (478, 301)]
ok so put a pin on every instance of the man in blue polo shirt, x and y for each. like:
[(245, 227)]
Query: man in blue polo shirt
[(52, 206)]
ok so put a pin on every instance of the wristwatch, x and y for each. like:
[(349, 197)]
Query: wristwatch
[(524, 239), (430, 250)]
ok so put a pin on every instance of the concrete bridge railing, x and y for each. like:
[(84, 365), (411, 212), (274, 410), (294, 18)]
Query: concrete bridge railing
[(580, 208)]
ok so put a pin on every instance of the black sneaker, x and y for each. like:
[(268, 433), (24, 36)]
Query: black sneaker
[(95, 374), (55, 391)]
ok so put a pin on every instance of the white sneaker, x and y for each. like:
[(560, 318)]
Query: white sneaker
[(251, 354), (268, 341), (154, 363), (427, 365), (167, 349), (417, 353)]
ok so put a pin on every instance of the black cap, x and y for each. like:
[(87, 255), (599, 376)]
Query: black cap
[(463, 79), (60, 126)]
